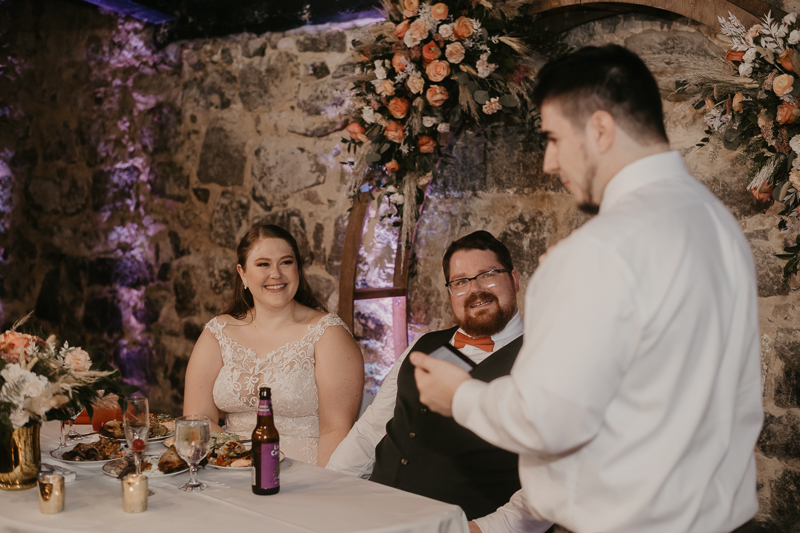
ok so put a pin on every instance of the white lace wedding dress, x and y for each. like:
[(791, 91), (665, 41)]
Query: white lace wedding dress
[(289, 372)]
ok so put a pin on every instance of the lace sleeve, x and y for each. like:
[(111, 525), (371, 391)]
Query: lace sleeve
[(216, 328), (331, 319)]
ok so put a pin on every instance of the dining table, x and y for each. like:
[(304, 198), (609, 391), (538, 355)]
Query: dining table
[(311, 499)]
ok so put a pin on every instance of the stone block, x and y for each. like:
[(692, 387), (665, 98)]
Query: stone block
[(314, 98), (319, 243), (779, 440), (331, 41), (787, 347), (178, 250), (785, 500), (192, 331), (59, 143), (100, 271), (274, 78), (184, 285), (526, 238), (201, 194), (466, 172), (229, 219), (156, 297), (514, 162), (222, 158), (225, 56), (133, 360), (787, 388), (292, 221), (321, 286), (220, 270), (160, 131), (277, 174), (170, 181), (102, 314), (334, 262), (114, 189), (67, 194), (344, 70), (61, 295), (317, 70), (769, 269), (254, 47)]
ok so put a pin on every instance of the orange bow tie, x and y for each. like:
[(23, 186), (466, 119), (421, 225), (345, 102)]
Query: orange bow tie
[(486, 343)]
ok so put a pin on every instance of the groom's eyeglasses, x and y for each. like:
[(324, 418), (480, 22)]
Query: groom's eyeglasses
[(487, 280)]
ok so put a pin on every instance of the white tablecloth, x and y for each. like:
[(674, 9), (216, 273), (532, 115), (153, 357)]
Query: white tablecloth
[(310, 499)]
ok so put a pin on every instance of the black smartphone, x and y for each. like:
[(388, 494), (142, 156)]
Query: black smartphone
[(446, 352)]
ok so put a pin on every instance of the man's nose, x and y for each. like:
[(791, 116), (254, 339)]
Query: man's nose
[(550, 165)]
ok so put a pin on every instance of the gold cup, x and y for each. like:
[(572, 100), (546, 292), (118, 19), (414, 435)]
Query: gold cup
[(134, 493), (51, 493)]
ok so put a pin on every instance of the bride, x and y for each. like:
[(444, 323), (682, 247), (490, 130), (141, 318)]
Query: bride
[(276, 333)]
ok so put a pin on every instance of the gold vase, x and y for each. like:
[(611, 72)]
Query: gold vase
[(20, 458)]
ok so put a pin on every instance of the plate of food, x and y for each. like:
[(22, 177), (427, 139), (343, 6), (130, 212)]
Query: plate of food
[(161, 427), (229, 453), (96, 452), (168, 463)]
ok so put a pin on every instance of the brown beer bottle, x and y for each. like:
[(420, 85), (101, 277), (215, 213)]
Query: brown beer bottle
[(266, 445)]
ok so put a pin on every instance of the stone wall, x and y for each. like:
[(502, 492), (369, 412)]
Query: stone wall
[(128, 174)]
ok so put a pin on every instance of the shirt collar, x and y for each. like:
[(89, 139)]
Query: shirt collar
[(640, 173), (513, 329)]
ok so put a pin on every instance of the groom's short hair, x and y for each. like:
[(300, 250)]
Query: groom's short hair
[(608, 78), (478, 240)]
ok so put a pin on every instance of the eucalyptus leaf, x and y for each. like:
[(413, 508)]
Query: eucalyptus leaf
[(463, 78), (508, 100), (481, 97), (473, 86), (509, 63), (372, 157), (780, 190), (385, 147)]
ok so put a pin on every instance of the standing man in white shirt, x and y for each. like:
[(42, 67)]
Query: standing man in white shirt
[(635, 402), (398, 442)]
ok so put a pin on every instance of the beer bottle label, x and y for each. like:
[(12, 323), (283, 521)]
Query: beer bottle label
[(264, 407), (269, 477)]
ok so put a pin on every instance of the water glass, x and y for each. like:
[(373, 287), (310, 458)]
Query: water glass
[(193, 442)]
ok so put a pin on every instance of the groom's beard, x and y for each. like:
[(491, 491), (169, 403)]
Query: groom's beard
[(486, 322)]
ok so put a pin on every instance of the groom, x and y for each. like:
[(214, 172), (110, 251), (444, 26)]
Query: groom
[(398, 442)]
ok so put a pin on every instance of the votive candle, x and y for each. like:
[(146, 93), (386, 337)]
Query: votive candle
[(134, 493)]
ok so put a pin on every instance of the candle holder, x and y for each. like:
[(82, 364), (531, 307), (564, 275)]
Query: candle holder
[(134, 493), (51, 493)]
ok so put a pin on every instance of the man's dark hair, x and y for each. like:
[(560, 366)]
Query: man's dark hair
[(478, 240), (609, 78)]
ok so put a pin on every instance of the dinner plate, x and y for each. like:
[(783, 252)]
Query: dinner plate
[(161, 418), (284, 465), (57, 453), (110, 468)]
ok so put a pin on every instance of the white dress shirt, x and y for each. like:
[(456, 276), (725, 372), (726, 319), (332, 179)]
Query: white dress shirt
[(355, 455), (635, 401)]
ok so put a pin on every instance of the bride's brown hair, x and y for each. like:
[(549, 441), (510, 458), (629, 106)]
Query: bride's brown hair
[(242, 299)]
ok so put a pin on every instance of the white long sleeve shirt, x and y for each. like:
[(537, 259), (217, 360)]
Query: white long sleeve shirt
[(355, 455), (635, 401)]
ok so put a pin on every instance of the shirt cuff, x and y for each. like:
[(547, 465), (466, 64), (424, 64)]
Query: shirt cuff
[(466, 398)]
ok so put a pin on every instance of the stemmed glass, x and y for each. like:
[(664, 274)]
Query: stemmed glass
[(136, 421), (73, 414), (192, 442)]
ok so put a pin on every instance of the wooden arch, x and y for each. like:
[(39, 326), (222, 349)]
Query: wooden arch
[(562, 15)]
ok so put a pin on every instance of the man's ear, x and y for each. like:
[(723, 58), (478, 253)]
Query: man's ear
[(602, 130), (515, 275)]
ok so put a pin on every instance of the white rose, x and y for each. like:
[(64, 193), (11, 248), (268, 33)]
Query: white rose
[(380, 73), (444, 127), (397, 199), (12, 372), (750, 55), (455, 53), (745, 69), (790, 18), (794, 37), (446, 31), (411, 41), (19, 418), (795, 144), (368, 114), (35, 386), (78, 360), (429, 121)]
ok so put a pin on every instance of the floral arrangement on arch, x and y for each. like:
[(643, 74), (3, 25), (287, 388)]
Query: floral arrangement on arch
[(39, 379), (430, 69), (760, 115)]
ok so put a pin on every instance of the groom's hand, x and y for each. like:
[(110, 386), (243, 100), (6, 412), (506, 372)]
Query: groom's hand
[(437, 382)]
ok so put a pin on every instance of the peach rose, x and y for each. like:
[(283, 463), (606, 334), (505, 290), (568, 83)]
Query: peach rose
[(398, 107), (763, 193), (78, 360), (737, 106), (436, 95), (410, 5), (462, 28), (787, 113), (734, 55), (430, 52), (439, 11), (419, 30), (415, 84), (785, 59), (394, 132), (426, 145), (401, 29), (386, 88), (397, 62), (438, 70), (455, 53), (356, 132), (783, 84), (392, 166), (13, 345)]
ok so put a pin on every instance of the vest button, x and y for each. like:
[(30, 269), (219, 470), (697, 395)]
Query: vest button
[(423, 410), (412, 435), (404, 461)]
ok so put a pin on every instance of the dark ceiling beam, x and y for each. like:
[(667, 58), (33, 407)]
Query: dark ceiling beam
[(133, 9)]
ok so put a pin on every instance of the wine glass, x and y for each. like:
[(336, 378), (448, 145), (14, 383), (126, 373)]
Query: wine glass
[(193, 442), (136, 422), (73, 414)]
